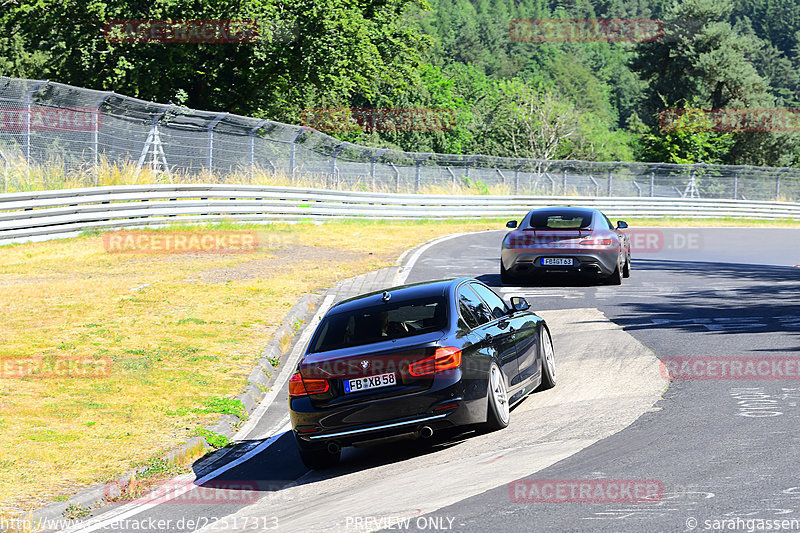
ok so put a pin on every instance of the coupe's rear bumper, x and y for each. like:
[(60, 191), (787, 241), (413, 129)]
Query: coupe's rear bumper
[(520, 261)]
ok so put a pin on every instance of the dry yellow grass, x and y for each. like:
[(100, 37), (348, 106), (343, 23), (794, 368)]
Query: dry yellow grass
[(174, 330)]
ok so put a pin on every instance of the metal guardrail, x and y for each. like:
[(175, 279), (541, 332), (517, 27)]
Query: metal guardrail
[(29, 215)]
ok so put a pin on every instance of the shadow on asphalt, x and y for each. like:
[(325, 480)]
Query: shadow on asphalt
[(757, 298), (549, 280), (279, 466)]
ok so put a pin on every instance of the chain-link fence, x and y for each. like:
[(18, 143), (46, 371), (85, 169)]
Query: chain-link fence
[(46, 123)]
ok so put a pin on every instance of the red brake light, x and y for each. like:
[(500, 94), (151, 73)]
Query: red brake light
[(443, 359), (596, 242), (303, 387)]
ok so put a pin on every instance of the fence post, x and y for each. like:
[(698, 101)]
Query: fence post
[(610, 180), (96, 135), (778, 183), (396, 177), (26, 139), (638, 188), (211, 126), (552, 184), (652, 184), (251, 156), (5, 171), (596, 186), (372, 162), (292, 148), (335, 153), (417, 176), (516, 178), (564, 182), (736, 185), (502, 178)]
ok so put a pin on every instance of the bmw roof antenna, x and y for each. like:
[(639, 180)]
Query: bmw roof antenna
[(386, 296)]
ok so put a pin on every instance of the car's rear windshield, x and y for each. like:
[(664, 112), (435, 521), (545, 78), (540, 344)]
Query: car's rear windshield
[(555, 219), (379, 323)]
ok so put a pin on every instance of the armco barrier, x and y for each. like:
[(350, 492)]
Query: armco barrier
[(28, 215)]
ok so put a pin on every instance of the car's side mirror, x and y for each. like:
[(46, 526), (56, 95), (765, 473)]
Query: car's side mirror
[(621, 224), (519, 303), (511, 224)]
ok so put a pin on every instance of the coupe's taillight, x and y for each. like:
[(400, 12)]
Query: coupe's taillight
[(303, 387), (596, 242), (443, 359)]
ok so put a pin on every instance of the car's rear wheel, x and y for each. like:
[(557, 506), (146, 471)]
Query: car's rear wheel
[(498, 413), (626, 270), (317, 457), (548, 360), (615, 278), (505, 275)]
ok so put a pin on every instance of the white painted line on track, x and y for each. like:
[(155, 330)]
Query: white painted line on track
[(402, 274)]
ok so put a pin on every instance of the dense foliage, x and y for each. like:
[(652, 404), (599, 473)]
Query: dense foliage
[(506, 96)]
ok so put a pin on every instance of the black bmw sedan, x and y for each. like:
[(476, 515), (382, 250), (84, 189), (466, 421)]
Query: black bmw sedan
[(412, 360)]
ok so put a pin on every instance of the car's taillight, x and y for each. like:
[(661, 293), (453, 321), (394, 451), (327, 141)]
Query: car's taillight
[(303, 387), (596, 242), (443, 359)]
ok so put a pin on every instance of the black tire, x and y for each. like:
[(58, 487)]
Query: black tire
[(317, 457), (548, 360), (615, 278), (626, 270), (497, 412), (505, 276)]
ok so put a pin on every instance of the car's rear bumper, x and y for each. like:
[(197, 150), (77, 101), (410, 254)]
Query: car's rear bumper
[(521, 262), (446, 405)]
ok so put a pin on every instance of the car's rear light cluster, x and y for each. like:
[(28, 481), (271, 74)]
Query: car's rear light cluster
[(443, 359), (303, 387), (596, 242)]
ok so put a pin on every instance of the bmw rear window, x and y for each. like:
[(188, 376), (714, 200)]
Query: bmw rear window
[(555, 219), (368, 325)]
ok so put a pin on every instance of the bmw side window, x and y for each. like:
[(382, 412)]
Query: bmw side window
[(497, 305), (473, 302), (473, 310)]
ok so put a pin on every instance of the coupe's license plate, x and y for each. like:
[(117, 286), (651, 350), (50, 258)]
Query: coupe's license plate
[(369, 382), (560, 261)]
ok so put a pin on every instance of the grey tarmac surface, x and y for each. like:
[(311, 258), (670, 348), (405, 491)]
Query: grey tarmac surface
[(709, 292)]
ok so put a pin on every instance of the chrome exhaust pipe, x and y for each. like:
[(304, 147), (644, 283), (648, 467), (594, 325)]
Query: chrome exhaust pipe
[(334, 448), (426, 432)]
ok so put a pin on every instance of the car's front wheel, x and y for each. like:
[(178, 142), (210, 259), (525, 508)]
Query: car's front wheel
[(505, 276), (317, 457), (498, 413)]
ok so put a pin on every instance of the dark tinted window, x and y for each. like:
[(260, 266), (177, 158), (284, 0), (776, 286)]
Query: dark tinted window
[(560, 219), (380, 323), (472, 308), (498, 306)]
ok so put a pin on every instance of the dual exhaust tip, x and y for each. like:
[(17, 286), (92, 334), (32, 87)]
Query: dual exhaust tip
[(425, 432)]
